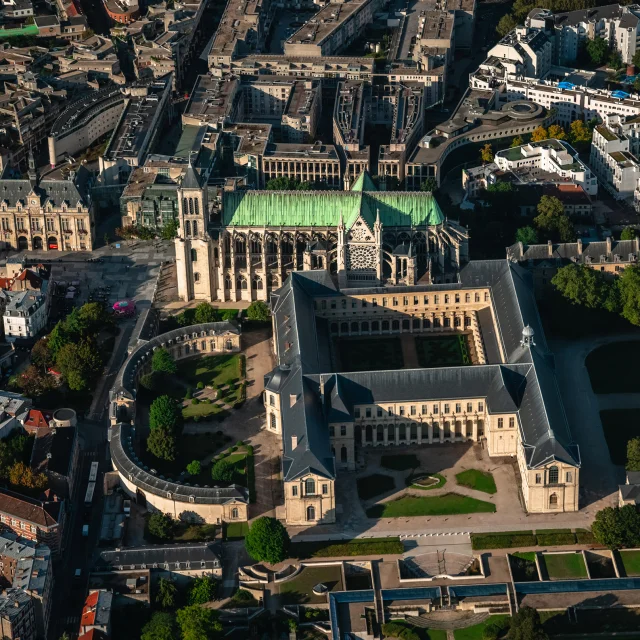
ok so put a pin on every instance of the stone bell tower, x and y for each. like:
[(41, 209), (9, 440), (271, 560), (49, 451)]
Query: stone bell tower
[(194, 248)]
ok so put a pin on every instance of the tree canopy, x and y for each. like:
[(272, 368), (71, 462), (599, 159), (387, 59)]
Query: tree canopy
[(633, 455), (617, 527), (506, 24), (194, 468), (163, 362), (517, 141), (267, 540), (527, 235), (557, 132), (258, 310), (167, 596), (552, 221), (203, 590), (80, 363), (205, 313), (165, 413), (539, 134), (162, 443), (629, 288), (597, 49), (223, 471), (526, 625), (430, 184), (628, 233), (160, 525), (284, 183), (486, 153), (198, 623), (581, 284), (161, 626)]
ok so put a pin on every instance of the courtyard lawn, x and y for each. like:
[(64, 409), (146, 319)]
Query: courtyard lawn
[(374, 485), (400, 462), (442, 351), (446, 505), (478, 480), (218, 370), (477, 630), (620, 426), (564, 566), (426, 481), (299, 590), (630, 562), (370, 354), (236, 530), (621, 379)]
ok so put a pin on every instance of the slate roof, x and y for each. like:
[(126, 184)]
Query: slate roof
[(54, 191), (326, 208), (583, 252), (146, 557), (519, 379), (42, 514)]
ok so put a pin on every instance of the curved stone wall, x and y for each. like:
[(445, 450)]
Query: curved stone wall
[(170, 495)]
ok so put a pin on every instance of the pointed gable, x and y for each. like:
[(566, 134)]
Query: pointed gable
[(364, 183)]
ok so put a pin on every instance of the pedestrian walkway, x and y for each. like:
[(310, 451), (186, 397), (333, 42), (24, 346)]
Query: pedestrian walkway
[(409, 355)]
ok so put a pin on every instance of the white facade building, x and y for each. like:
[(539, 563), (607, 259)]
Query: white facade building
[(552, 156), (529, 50), (25, 315)]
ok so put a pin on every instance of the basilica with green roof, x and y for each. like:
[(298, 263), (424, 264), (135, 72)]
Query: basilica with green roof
[(245, 248)]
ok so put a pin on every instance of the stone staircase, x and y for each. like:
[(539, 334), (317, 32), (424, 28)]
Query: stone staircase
[(446, 620)]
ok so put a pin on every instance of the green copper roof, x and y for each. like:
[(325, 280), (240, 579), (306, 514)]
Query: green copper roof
[(324, 208), (364, 183)]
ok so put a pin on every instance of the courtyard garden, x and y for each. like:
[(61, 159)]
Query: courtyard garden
[(299, 590), (478, 480), (477, 631), (443, 351), (523, 566), (599, 362), (630, 561), (370, 354), (445, 505), (620, 426), (563, 566), (375, 485), (426, 481), (354, 547)]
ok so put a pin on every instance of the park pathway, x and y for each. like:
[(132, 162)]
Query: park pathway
[(409, 354)]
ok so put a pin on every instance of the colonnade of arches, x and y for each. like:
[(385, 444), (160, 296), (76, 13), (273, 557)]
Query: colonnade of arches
[(444, 320), (419, 432)]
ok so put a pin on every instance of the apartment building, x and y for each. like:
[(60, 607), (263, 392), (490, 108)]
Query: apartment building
[(315, 163), (17, 615)]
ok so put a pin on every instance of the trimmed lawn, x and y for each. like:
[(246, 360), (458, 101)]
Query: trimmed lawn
[(370, 354), (436, 634), (446, 505), (478, 480), (475, 632), (424, 482), (442, 351), (222, 369), (236, 530), (299, 590), (621, 379), (564, 566), (620, 426), (400, 462), (375, 485), (630, 562), (355, 547)]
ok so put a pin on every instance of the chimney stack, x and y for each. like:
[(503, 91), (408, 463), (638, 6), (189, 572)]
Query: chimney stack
[(294, 442), (550, 247), (579, 246), (609, 245)]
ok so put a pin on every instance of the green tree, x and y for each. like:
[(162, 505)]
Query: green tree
[(161, 626), (617, 527), (194, 468), (615, 60), (527, 235), (75, 324), (557, 132), (506, 24), (579, 134), (80, 363), (539, 134), (486, 153), (167, 596), (198, 623), (57, 339), (33, 383), (430, 184), (205, 313), (40, 355), (23, 476), (636, 59), (517, 141), (223, 471), (267, 540), (170, 230), (166, 414), (581, 284), (162, 444), (628, 233), (526, 625), (258, 310), (92, 317), (163, 362), (552, 221), (633, 455), (203, 590), (149, 381), (629, 288), (160, 525), (284, 183), (597, 50)]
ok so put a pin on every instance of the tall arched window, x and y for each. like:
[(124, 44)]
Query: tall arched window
[(553, 500), (185, 205), (310, 487), (311, 512), (187, 229), (234, 512), (195, 228), (227, 282), (191, 206), (194, 255), (272, 421), (553, 475), (197, 206)]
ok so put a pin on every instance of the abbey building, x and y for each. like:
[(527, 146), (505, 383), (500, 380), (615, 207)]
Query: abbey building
[(244, 247)]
